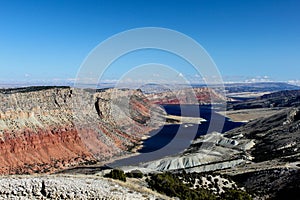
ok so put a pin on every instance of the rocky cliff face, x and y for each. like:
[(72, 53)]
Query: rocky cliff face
[(188, 96), (47, 128)]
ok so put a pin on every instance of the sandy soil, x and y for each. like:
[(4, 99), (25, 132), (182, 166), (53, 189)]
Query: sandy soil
[(183, 120)]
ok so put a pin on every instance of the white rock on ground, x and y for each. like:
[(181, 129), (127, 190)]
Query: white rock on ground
[(66, 187)]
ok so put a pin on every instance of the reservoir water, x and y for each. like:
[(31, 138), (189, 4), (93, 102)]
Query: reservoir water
[(174, 138)]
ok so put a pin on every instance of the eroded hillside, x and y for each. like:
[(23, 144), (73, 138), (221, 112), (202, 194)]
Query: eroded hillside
[(262, 156), (43, 129)]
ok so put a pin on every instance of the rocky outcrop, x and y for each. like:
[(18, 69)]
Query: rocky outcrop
[(41, 151), (45, 129), (210, 152), (293, 116), (59, 187)]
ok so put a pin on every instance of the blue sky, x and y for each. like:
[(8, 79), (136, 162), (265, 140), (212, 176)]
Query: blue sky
[(46, 40)]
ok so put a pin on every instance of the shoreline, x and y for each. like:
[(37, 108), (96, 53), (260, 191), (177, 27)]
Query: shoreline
[(175, 119), (105, 163), (134, 150)]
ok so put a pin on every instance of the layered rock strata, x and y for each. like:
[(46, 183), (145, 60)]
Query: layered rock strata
[(47, 128), (201, 95)]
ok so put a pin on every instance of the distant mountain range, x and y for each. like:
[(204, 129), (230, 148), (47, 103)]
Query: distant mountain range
[(154, 87), (229, 87), (285, 98), (259, 87)]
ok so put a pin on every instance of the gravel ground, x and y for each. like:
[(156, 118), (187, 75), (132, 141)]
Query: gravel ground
[(66, 187)]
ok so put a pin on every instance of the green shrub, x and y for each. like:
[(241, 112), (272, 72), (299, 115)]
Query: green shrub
[(116, 174), (170, 185), (134, 174), (233, 194), (173, 186)]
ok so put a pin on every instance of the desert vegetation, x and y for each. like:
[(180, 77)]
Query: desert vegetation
[(183, 186)]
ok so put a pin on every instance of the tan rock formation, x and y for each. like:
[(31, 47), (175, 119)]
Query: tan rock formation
[(44, 129), (188, 96)]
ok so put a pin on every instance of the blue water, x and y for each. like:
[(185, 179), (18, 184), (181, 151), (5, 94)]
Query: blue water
[(173, 139), (168, 132)]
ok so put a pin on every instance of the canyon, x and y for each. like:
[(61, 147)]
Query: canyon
[(45, 129), (48, 128), (262, 156)]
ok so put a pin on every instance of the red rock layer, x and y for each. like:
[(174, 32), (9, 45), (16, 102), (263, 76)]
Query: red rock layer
[(43, 151), (47, 129)]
